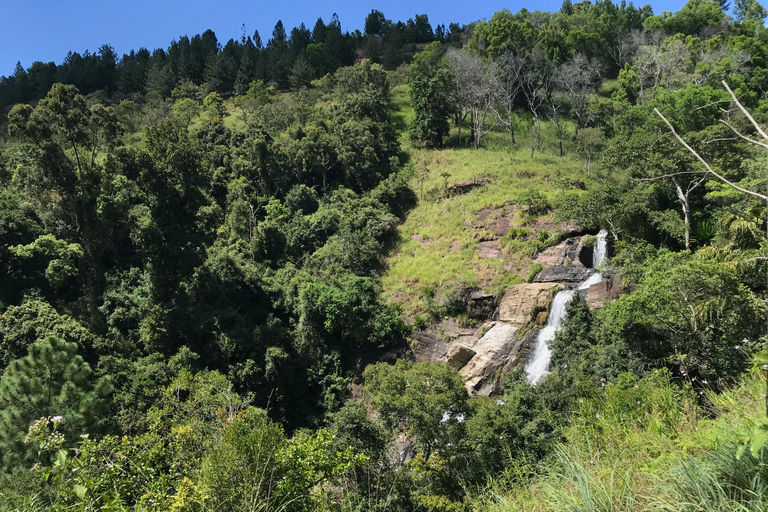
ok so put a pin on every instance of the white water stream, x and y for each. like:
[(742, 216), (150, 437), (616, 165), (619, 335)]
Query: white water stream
[(539, 364)]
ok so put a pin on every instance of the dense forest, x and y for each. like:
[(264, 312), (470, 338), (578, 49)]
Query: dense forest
[(217, 263)]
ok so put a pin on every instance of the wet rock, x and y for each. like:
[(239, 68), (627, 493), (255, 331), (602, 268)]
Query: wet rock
[(521, 303), (602, 291), (562, 274)]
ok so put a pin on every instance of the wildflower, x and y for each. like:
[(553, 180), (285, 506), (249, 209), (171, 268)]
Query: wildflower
[(602, 380), (637, 387), (745, 340), (603, 384), (638, 402), (581, 401), (565, 366), (591, 462), (597, 416), (704, 382), (701, 392), (56, 419), (77, 452)]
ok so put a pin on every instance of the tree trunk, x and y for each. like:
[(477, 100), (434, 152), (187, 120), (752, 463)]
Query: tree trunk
[(325, 182), (472, 126), (589, 164), (686, 212), (512, 133), (538, 131)]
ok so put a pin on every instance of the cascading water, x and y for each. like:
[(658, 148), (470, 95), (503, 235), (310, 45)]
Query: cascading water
[(539, 364)]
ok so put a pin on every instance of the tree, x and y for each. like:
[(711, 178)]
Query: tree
[(185, 110), (578, 79), (428, 399), (590, 141), (749, 10), (51, 382), (507, 81), (536, 84), (475, 90), (432, 96)]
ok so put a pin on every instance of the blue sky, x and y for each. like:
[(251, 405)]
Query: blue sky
[(46, 30)]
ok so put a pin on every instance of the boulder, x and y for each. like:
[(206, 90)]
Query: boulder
[(521, 303), (481, 304), (496, 349), (602, 291), (459, 355), (491, 249)]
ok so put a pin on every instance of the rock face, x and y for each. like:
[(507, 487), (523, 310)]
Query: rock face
[(497, 349), (520, 303), (571, 274), (459, 355), (483, 355), (602, 291)]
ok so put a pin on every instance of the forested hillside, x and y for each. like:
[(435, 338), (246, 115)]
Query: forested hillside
[(260, 277)]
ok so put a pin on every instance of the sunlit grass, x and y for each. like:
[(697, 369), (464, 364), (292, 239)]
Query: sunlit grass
[(438, 243)]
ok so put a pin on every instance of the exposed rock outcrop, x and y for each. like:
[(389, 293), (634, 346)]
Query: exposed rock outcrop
[(459, 355), (602, 291), (571, 274), (495, 350), (521, 303)]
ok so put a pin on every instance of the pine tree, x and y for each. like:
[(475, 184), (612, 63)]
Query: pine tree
[(51, 381)]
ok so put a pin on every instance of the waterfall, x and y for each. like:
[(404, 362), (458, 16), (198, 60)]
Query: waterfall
[(539, 364)]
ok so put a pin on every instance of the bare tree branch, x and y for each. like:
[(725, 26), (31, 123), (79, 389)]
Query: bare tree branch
[(704, 162), (755, 142), (749, 116)]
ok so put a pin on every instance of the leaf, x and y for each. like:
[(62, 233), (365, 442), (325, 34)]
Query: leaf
[(61, 458), (742, 446), (757, 442), (80, 491)]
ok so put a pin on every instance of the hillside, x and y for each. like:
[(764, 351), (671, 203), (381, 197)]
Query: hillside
[(502, 268)]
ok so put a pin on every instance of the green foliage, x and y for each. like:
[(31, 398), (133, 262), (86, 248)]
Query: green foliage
[(432, 91), (52, 381), (535, 269), (35, 320), (426, 399)]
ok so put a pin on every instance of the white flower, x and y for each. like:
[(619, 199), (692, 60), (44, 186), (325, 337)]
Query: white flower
[(56, 419)]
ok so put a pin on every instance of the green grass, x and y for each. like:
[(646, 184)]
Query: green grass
[(436, 246), (676, 456)]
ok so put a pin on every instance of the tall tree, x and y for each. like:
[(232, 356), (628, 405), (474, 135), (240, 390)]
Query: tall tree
[(432, 95)]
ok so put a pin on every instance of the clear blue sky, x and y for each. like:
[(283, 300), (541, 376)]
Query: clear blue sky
[(46, 30)]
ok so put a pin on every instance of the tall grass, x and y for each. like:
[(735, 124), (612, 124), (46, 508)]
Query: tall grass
[(671, 454)]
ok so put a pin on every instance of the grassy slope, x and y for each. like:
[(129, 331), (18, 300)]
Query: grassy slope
[(647, 464), (446, 249)]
